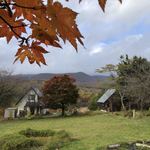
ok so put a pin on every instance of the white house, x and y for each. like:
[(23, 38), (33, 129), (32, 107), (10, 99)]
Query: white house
[(30, 103), (10, 113)]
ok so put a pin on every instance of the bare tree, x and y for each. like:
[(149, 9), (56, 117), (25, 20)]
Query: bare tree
[(138, 89)]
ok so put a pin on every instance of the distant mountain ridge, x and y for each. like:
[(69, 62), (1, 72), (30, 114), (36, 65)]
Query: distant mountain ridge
[(79, 76)]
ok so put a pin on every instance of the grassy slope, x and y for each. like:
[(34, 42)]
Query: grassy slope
[(93, 131)]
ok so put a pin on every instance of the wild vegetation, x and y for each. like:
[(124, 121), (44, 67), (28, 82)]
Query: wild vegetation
[(13, 87), (17, 142), (7, 88), (93, 131), (45, 140), (130, 77), (131, 80), (60, 92)]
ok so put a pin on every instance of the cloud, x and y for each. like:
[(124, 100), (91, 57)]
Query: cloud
[(97, 49), (134, 37), (122, 29)]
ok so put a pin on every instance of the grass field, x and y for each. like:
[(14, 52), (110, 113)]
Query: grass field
[(91, 131)]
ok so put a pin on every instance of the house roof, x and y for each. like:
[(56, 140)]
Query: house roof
[(106, 95), (36, 90)]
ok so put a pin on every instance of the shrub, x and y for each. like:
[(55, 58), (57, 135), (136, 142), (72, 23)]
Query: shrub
[(139, 115), (128, 113), (22, 113), (93, 103), (147, 113), (100, 148), (59, 140), (1, 112), (63, 135), (54, 144), (37, 133), (17, 142)]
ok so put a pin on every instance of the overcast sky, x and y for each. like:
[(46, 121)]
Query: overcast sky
[(123, 29)]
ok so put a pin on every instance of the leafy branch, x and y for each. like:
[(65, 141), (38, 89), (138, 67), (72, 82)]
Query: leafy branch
[(5, 5), (12, 28)]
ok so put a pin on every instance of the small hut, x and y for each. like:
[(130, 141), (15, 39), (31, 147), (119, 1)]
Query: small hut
[(109, 101), (10, 113)]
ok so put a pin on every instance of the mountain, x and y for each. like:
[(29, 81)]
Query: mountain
[(79, 76)]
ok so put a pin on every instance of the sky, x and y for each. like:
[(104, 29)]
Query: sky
[(122, 29)]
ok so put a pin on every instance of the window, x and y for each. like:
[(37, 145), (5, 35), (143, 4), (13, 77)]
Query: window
[(31, 97)]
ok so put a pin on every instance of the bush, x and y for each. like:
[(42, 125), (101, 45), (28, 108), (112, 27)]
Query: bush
[(60, 139), (147, 113), (17, 142), (128, 113), (54, 144), (93, 103), (37, 133), (1, 112), (63, 135), (22, 113), (25, 140)]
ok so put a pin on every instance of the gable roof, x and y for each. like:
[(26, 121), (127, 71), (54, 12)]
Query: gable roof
[(36, 90), (106, 95)]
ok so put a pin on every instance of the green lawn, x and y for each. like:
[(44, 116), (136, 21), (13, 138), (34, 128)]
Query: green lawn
[(92, 131)]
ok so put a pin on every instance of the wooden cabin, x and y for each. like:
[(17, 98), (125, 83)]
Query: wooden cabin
[(109, 101)]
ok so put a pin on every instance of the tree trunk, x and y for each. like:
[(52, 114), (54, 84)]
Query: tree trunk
[(3, 112), (122, 103), (129, 107), (141, 105), (63, 110)]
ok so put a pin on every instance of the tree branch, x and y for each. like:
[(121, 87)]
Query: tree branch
[(15, 4), (23, 39), (7, 5), (8, 8)]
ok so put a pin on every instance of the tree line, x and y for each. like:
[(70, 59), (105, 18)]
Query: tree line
[(132, 80), (58, 93)]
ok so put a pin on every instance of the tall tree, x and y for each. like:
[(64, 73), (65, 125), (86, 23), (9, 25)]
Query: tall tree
[(60, 91), (39, 23), (7, 88), (109, 68), (134, 74), (132, 80)]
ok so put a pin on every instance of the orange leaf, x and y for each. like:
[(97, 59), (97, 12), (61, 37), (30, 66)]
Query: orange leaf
[(102, 4), (63, 21)]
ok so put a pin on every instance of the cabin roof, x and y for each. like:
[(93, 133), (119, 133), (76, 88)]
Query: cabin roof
[(36, 90), (106, 95)]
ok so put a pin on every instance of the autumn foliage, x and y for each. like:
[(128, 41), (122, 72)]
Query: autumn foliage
[(37, 24), (59, 92)]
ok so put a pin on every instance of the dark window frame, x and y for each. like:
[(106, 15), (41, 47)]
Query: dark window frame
[(31, 97)]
